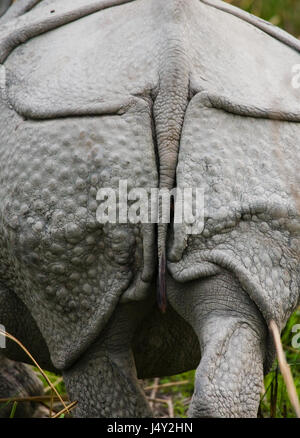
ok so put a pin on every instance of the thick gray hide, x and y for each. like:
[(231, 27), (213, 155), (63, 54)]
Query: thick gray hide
[(4, 5), (129, 79), (252, 224)]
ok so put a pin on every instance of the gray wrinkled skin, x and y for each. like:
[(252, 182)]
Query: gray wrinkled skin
[(18, 380), (152, 92), (4, 5)]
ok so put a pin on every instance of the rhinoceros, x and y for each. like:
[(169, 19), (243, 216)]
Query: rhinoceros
[(161, 94)]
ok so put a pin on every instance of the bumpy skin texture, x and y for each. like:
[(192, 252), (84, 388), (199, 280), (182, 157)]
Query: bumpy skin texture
[(148, 91), (233, 338)]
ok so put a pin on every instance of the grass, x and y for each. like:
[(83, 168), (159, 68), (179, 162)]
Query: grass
[(274, 402), (170, 396), (13, 410)]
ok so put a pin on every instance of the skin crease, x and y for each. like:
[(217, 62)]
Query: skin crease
[(4, 6), (80, 295)]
